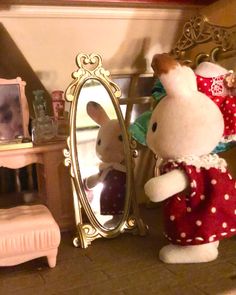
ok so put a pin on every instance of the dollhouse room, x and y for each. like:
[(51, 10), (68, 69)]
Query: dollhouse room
[(118, 147)]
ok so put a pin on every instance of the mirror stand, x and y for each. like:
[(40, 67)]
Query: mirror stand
[(100, 156)]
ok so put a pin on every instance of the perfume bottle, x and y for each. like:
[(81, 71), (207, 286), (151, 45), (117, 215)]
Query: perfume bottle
[(58, 104), (60, 115), (43, 126)]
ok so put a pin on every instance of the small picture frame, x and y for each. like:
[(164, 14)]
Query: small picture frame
[(14, 112)]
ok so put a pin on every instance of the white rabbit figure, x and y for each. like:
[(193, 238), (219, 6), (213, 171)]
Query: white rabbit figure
[(198, 193), (112, 171)]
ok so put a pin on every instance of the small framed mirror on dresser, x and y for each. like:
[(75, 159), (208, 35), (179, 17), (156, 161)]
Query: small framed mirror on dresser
[(99, 155), (14, 112)]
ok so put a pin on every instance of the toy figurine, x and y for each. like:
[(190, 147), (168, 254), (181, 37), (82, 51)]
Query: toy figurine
[(199, 194), (112, 171)]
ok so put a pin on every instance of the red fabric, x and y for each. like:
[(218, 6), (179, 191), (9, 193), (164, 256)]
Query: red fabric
[(206, 212), (215, 89), (112, 199)]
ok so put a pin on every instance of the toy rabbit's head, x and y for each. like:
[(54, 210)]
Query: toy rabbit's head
[(109, 144), (185, 122)]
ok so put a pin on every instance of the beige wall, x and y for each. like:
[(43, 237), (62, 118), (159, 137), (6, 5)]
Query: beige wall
[(51, 37)]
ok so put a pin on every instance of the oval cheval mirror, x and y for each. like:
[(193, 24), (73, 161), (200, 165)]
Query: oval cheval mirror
[(99, 156)]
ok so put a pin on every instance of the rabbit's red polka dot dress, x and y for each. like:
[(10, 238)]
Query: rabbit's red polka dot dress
[(206, 212)]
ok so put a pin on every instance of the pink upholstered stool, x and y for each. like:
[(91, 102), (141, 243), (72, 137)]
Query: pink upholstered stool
[(28, 232)]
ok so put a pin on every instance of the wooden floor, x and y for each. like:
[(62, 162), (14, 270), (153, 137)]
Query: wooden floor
[(127, 265)]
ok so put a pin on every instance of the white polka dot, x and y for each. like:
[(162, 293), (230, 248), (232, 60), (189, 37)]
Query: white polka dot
[(213, 181), (233, 230), (172, 217), (233, 105), (224, 234), (211, 238), (213, 210), (234, 114), (189, 170), (235, 211), (183, 235), (230, 177), (193, 183), (189, 209), (201, 79), (227, 101), (198, 223), (226, 196), (205, 84), (199, 239), (224, 224), (193, 194), (189, 240), (217, 100), (202, 197)]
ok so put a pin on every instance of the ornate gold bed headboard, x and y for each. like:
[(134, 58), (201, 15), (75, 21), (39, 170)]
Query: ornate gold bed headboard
[(202, 40)]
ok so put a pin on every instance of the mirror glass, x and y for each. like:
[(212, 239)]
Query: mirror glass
[(100, 153)]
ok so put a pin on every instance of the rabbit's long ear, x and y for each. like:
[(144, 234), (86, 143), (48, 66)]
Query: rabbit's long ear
[(97, 113), (178, 80)]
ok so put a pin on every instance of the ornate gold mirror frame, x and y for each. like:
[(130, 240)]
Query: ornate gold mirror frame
[(219, 42), (90, 68)]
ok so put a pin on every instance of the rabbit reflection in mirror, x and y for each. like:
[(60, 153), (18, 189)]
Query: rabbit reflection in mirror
[(112, 171)]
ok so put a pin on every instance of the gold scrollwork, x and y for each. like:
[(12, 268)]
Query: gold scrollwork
[(91, 65), (67, 156), (86, 233), (67, 160), (198, 30), (135, 225)]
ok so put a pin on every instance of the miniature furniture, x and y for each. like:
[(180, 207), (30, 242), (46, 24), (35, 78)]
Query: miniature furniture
[(53, 178), (26, 233), (108, 207)]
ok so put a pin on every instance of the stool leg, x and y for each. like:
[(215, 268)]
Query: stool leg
[(52, 258)]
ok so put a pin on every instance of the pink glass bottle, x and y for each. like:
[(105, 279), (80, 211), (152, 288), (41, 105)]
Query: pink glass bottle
[(58, 104)]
